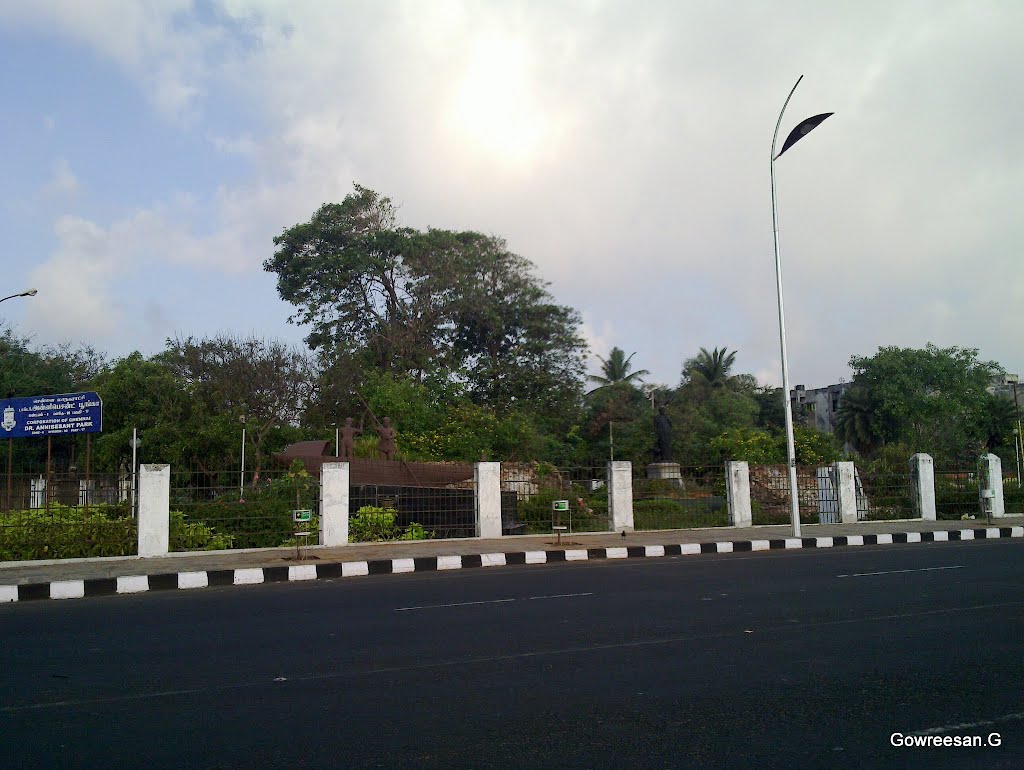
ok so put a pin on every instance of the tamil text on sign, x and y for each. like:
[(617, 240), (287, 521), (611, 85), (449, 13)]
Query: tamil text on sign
[(51, 415)]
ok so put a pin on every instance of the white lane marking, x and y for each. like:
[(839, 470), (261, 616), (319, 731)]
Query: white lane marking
[(898, 571), (491, 601), (969, 725)]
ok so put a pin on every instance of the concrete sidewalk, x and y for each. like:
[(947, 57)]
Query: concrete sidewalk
[(72, 578)]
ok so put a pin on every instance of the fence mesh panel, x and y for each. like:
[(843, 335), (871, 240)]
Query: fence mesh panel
[(884, 495), (529, 491), (393, 512), (64, 515), (219, 510), (696, 499), (816, 493), (956, 494)]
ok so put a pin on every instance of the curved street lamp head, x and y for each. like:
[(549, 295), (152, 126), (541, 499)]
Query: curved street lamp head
[(27, 293)]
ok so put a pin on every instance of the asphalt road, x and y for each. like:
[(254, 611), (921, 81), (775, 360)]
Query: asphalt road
[(803, 658)]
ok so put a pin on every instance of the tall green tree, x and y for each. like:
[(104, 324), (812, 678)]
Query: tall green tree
[(934, 399), (266, 383), (712, 368), (434, 304), (616, 369)]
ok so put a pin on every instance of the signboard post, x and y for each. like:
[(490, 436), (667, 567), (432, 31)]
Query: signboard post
[(57, 415)]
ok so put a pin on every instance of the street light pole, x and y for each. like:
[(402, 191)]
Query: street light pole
[(795, 135)]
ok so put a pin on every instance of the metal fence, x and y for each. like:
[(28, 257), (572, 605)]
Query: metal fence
[(956, 494), (817, 494), (530, 490), (696, 498), (64, 515), (884, 495), (215, 510), (393, 512)]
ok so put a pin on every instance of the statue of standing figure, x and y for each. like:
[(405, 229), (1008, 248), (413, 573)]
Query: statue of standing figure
[(348, 434), (662, 437), (386, 444)]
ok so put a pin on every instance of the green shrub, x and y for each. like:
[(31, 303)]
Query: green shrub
[(371, 524), (64, 532)]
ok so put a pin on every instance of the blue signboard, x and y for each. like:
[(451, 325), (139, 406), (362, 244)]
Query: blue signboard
[(51, 415)]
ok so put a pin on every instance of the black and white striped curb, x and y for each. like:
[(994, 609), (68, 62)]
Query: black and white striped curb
[(133, 584)]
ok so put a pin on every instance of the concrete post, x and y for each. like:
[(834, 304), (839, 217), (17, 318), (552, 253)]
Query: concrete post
[(922, 483), (990, 485), (487, 483), (334, 503), (845, 478), (737, 493), (154, 509), (620, 496)]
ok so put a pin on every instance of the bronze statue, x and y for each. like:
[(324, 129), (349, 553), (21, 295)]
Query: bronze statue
[(348, 434), (386, 444), (663, 437)]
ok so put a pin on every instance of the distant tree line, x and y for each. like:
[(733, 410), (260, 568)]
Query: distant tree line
[(458, 342)]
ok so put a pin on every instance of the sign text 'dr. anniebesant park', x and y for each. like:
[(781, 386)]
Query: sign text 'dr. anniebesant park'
[(51, 415)]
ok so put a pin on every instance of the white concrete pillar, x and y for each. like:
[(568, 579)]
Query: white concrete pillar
[(620, 496), (991, 485), (334, 481), (844, 476), (487, 486), (922, 483), (737, 493), (154, 509)]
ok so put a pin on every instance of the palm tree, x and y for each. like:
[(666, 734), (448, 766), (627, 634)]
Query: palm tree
[(855, 423), (615, 370), (712, 368)]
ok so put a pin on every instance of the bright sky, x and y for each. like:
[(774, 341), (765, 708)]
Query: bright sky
[(152, 149)]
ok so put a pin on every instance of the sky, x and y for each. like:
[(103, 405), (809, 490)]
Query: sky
[(153, 149)]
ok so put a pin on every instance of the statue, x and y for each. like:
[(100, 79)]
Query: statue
[(386, 445), (663, 437), (348, 434)]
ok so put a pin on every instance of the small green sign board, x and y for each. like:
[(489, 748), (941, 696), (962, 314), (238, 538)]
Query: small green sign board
[(560, 505), (301, 517)]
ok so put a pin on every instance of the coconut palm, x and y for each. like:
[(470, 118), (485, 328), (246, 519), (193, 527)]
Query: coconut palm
[(615, 370), (712, 368), (856, 421)]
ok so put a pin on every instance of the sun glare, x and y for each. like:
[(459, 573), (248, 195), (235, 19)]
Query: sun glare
[(494, 107)]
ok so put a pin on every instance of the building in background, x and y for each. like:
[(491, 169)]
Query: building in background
[(818, 408)]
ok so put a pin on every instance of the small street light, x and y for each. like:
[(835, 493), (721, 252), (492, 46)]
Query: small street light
[(798, 133), (27, 293)]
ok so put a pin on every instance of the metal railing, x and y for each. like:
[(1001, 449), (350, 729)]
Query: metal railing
[(212, 511), (65, 516), (697, 498), (884, 495), (956, 494), (395, 512), (816, 492), (529, 491)]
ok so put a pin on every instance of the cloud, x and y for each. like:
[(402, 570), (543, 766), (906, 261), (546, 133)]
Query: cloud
[(624, 150)]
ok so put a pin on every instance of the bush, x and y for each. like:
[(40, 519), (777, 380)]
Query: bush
[(371, 524), (65, 532)]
